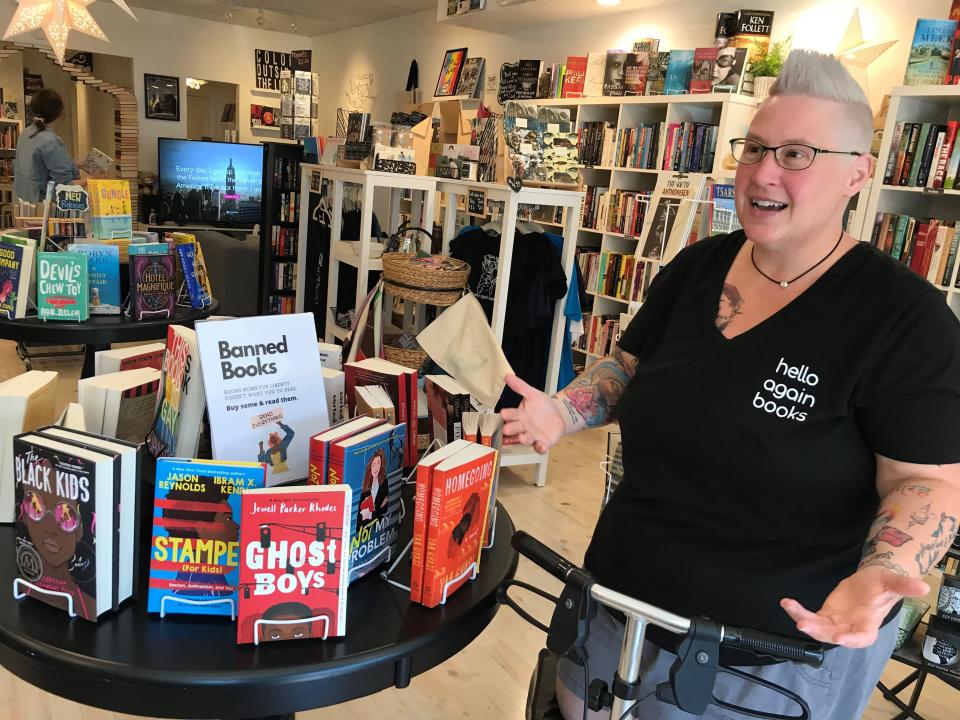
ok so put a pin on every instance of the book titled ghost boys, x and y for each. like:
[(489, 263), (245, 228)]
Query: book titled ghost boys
[(263, 382)]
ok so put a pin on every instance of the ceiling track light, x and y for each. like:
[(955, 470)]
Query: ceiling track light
[(260, 18), (228, 12)]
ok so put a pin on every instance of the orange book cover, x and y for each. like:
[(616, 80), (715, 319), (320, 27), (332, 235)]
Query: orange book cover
[(421, 511), (458, 502)]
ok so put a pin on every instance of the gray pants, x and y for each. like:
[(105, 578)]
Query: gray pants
[(838, 690)]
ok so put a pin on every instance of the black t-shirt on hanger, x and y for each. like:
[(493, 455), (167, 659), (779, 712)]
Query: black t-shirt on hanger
[(750, 462)]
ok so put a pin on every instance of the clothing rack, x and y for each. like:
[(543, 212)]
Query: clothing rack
[(572, 202)]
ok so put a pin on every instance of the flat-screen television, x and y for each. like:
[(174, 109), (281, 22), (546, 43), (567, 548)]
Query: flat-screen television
[(210, 183)]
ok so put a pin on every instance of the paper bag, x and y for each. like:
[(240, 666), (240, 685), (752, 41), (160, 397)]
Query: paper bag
[(462, 343)]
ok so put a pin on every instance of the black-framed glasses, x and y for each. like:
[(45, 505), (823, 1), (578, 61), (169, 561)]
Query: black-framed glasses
[(793, 156)]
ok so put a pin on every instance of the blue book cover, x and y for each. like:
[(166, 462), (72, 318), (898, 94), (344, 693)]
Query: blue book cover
[(199, 298), (371, 463), (103, 263), (679, 71), (194, 551), (11, 260), (108, 227), (158, 248), (930, 52), (724, 218)]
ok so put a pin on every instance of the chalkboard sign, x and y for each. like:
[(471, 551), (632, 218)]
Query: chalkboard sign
[(509, 82), (269, 63), (72, 197), (300, 59), (476, 199)]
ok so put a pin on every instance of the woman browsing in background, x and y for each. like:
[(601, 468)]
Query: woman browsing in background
[(789, 403), (41, 154)]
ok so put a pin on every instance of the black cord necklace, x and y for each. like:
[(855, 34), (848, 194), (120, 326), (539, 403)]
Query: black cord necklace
[(786, 283)]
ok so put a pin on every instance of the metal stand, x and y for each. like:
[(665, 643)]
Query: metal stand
[(191, 601), (18, 594)]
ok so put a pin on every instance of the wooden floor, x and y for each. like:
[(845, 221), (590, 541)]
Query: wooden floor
[(488, 680)]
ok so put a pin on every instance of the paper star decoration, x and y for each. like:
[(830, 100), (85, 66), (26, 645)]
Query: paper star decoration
[(123, 6), (56, 18), (853, 51)]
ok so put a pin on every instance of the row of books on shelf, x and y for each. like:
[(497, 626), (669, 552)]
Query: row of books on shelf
[(617, 275), (9, 135), (619, 211), (282, 305), (286, 173), (284, 276), (6, 166), (84, 278), (740, 37), (638, 147), (283, 242), (923, 155), (600, 333), (288, 207), (690, 147), (927, 246)]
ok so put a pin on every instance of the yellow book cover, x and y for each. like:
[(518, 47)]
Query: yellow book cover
[(202, 277), (182, 238), (109, 197)]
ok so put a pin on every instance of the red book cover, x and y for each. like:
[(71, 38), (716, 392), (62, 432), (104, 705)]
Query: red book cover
[(574, 80), (421, 508), (319, 445), (395, 379), (953, 62), (930, 244), (293, 563), (457, 524), (704, 62)]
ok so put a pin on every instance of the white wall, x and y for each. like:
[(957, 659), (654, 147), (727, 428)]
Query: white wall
[(385, 49), (166, 44)]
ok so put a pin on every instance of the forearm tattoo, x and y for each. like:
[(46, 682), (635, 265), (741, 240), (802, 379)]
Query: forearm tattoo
[(592, 398), (931, 533)]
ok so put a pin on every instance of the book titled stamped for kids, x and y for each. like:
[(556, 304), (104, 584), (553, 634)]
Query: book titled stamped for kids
[(294, 562), (264, 387)]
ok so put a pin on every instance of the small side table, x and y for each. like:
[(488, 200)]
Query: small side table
[(911, 654)]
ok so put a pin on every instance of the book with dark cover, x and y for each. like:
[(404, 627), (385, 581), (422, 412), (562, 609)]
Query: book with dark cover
[(635, 73), (613, 73), (725, 29), (152, 286), (911, 150), (293, 563), (528, 78), (65, 523), (656, 72), (14, 280), (196, 535), (953, 63)]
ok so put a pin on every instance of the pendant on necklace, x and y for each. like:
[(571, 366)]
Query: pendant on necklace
[(784, 284)]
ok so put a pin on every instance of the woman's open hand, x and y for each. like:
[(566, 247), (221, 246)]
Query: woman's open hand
[(539, 420)]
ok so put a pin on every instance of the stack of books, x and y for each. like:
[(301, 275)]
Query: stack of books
[(450, 519), (400, 384)]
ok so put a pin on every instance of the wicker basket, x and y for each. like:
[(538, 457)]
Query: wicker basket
[(436, 280), (413, 359)]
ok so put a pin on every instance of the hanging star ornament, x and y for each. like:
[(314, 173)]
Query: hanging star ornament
[(853, 51), (56, 18), (123, 6)]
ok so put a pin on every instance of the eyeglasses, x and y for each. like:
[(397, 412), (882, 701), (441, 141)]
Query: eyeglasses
[(67, 516), (794, 156)]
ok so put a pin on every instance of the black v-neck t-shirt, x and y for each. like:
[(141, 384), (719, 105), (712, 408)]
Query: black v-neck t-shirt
[(749, 463)]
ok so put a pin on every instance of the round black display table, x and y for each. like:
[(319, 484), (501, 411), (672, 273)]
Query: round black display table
[(187, 667), (99, 330)]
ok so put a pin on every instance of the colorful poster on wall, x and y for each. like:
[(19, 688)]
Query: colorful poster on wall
[(450, 72), (268, 65), (263, 116)]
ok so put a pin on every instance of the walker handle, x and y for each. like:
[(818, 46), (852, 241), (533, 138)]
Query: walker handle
[(777, 646), (534, 550)]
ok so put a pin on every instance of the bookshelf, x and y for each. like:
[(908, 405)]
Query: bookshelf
[(9, 135), (731, 113), (279, 235), (915, 104)]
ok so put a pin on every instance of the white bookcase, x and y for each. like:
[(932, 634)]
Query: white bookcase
[(919, 103), (732, 114)]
